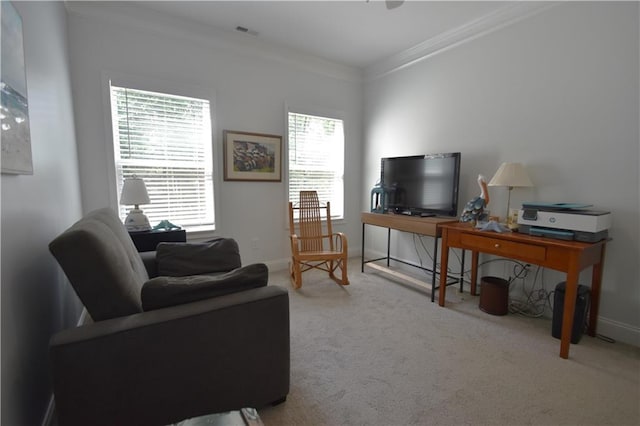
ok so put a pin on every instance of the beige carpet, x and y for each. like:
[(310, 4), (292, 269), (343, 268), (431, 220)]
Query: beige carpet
[(378, 352)]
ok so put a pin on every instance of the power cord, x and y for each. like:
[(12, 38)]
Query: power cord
[(605, 338), (536, 301)]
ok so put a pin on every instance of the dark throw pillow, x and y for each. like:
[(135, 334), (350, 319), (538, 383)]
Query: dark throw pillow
[(180, 259), (164, 291)]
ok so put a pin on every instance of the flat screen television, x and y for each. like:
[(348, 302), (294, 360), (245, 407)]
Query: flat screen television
[(421, 185)]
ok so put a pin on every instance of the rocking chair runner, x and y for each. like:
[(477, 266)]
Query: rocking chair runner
[(310, 247)]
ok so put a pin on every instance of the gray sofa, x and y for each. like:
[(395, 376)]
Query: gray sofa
[(163, 349)]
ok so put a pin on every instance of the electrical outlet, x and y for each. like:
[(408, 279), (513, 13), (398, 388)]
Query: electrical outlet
[(254, 244)]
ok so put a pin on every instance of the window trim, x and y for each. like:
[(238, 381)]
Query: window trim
[(173, 88), (320, 112)]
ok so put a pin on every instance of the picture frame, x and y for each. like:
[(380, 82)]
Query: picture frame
[(16, 135), (252, 156)]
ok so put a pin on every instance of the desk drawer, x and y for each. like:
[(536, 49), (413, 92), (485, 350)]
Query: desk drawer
[(504, 248)]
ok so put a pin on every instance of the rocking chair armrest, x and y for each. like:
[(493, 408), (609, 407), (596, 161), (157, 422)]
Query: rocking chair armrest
[(295, 244), (337, 237), (340, 237)]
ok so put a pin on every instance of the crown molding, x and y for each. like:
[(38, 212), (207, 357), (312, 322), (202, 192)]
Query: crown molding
[(506, 15), (133, 16)]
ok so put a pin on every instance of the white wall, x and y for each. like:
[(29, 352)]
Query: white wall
[(251, 87), (37, 301), (557, 91)]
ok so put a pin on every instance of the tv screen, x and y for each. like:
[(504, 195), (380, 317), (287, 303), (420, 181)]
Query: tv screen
[(421, 184)]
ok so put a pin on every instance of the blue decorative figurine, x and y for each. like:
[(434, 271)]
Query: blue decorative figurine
[(474, 210)]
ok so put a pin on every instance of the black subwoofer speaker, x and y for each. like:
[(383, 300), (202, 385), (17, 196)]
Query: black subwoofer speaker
[(579, 316)]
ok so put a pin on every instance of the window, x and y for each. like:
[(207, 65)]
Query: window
[(316, 159), (165, 140)]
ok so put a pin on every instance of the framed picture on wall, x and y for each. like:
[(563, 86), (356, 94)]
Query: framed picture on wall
[(252, 156), (16, 137)]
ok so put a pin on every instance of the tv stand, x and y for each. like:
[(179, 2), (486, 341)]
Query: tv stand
[(429, 226)]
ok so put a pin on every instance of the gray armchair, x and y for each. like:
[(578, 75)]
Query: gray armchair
[(168, 347)]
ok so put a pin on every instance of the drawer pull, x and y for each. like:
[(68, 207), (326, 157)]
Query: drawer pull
[(497, 245)]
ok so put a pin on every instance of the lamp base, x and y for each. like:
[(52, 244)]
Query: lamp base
[(512, 219), (136, 221)]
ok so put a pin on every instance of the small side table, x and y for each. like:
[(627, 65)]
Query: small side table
[(149, 240)]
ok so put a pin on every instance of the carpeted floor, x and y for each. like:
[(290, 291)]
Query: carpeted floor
[(378, 352)]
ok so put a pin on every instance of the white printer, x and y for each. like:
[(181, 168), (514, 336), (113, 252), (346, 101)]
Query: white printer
[(565, 221)]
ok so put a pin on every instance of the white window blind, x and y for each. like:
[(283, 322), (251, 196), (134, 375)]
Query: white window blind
[(316, 159), (165, 140)]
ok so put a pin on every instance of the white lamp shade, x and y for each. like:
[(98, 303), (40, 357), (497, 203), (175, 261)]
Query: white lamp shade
[(134, 192), (511, 175)]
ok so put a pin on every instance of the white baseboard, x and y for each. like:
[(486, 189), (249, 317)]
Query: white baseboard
[(49, 414), (83, 317), (278, 265), (618, 331)]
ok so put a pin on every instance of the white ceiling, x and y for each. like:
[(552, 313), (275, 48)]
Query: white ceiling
[(353, 33)]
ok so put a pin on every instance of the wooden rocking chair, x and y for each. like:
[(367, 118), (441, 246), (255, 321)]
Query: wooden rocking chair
[(310, 247)]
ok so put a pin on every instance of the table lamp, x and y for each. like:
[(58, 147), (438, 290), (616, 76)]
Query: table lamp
[(134, 192), (510, 175)]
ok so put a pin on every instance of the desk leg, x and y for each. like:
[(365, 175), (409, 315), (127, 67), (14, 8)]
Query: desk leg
[(474, 272), (444, 264), (596, 281), (362, 265), (461, 280), (570, 295), (433, 269)]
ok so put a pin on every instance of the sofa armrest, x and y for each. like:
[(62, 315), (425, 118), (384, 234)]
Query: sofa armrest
[(166, 365)]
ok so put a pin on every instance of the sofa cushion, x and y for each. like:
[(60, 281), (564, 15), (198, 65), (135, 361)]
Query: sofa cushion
[(166, 291), (101, 263), (180, 259)]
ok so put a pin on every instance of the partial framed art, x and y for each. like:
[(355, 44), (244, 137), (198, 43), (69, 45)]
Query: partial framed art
[(16, 137), (252, 156)]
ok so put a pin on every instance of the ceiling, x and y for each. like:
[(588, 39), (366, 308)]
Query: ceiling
[(354, 33)]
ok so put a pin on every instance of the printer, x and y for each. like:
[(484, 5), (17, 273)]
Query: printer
[(566, 221)]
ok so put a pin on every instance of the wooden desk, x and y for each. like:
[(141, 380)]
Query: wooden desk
[(429, 226), (570, 257)]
